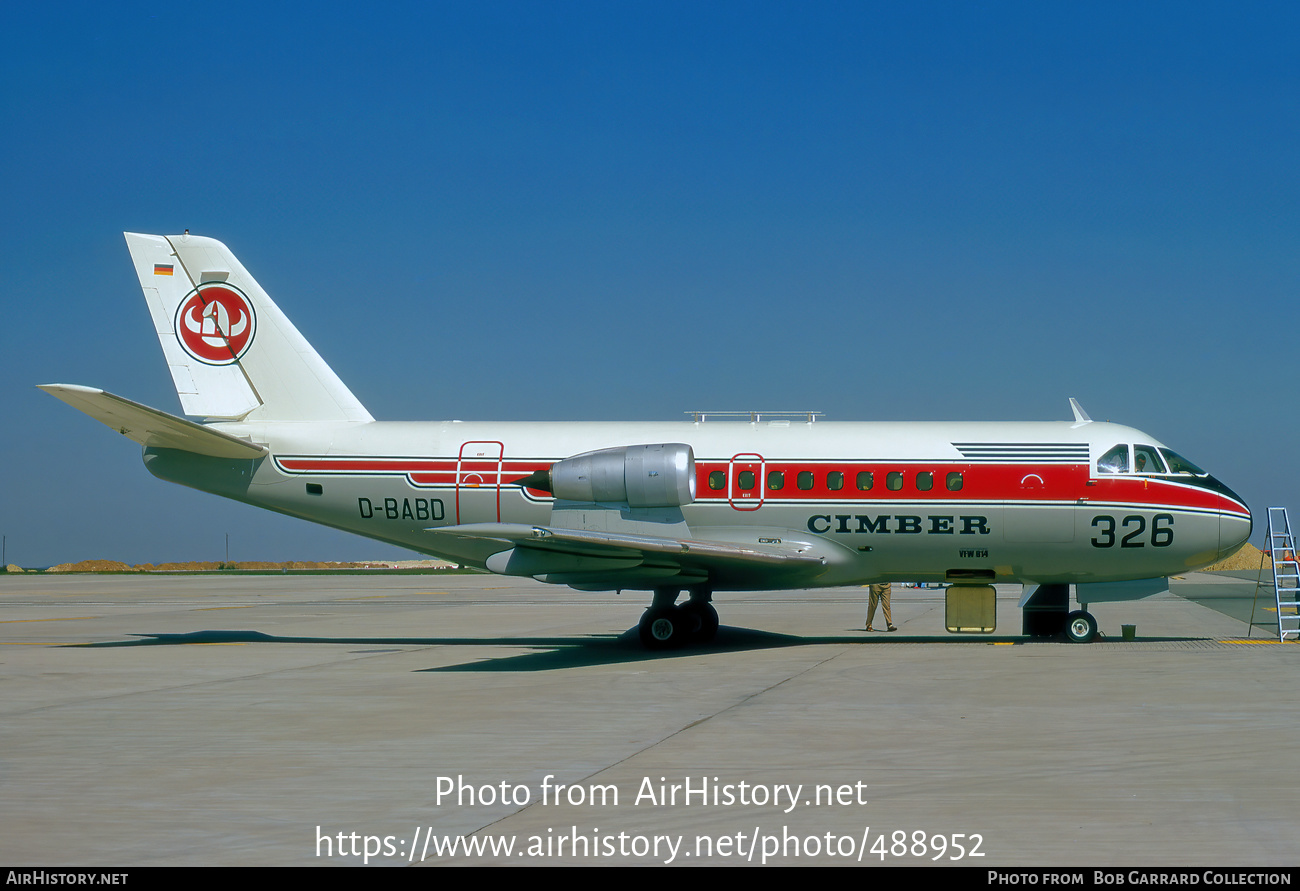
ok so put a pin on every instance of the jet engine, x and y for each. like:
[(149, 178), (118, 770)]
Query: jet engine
[(659, 475)]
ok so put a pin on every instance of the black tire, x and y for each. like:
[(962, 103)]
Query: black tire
[(663, 628), (701, 620), (1080, 627)]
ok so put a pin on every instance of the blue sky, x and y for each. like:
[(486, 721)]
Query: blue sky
[(629, 210)]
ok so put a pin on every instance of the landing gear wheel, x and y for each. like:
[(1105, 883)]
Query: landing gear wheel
[(663, 627), (1080, 627), (700, 619)]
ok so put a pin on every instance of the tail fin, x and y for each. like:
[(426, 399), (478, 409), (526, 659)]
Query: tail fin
[(231, 351)]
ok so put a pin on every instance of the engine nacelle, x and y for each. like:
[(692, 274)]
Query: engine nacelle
[(659, 475)]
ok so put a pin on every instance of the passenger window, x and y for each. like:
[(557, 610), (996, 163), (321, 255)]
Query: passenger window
[(866, 479), (1145, 460), (745, 479), (1114, 461), (776, 480), (925, 481), (894, 480), (835, 480), (804, 480), (717, 480), (955, 482)]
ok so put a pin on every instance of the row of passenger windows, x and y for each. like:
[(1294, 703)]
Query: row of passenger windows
[(806, 480)]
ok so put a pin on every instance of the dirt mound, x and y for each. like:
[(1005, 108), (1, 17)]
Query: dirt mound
[(92, 566), (193, 566), (1247, 558), (256, 565)]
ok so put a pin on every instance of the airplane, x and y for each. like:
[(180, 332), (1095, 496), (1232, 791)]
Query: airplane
[(770, 501)]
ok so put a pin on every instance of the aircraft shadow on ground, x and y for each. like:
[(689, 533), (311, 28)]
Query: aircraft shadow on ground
[(554, 653)]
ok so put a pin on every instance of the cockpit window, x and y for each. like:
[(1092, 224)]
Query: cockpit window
[(1114, 461), (1146, 460), (1179, 464), (1154, 463)]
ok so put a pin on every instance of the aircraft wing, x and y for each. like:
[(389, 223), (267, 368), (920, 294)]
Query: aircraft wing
[(603, 559), (151, 427)]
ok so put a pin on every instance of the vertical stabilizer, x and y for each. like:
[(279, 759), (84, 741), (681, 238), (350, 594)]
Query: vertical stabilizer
[(232, 353)]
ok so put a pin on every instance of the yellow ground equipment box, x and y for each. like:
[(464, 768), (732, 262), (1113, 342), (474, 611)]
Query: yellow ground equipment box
[(971, 609)]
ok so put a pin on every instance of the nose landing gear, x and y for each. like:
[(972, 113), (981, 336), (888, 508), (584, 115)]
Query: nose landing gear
[(1080, 627), (1046, 614)]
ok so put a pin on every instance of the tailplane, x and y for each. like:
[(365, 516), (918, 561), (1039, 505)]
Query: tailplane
[(232, 353)]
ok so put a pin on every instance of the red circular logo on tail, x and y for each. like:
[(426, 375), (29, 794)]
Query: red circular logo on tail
[(215, 324)]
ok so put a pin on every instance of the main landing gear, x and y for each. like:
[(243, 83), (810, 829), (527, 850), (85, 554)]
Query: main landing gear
[(666, 624)]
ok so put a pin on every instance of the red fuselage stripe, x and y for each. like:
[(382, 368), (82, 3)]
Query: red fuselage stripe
[(980, 482)]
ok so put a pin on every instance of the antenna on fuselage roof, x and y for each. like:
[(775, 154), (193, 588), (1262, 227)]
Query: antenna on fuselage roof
[(1080, 416), (754, 417)]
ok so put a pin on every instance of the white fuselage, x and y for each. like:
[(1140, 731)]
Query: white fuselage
[(893, 501)]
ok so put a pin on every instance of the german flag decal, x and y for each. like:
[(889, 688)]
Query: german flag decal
[(162, 269)]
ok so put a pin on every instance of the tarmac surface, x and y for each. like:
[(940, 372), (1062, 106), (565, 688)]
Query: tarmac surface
[(234, 719)]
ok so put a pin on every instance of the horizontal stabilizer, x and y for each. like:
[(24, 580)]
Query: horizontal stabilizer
[(151, 427)]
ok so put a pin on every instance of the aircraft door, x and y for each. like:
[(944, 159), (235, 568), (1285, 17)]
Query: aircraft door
[(478, 482), (745, 481)]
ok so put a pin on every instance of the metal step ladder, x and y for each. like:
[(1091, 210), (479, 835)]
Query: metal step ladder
[(1286, 573)]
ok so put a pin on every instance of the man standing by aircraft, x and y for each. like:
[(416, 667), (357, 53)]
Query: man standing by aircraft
[(880, 595)]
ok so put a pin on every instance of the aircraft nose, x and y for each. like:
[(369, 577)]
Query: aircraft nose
[(1234, 529)]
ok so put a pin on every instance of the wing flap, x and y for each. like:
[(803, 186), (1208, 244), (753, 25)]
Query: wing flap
[(151, 427), (569, 555), (596, 543)]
